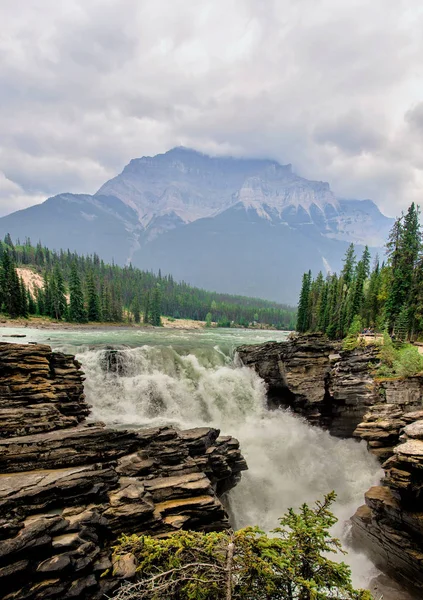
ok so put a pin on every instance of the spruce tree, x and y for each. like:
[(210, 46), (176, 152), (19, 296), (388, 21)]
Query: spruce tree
[(155, 307), (23, 310), (403, 250), (372, 300), (349, 265), (77, 312), (58, 302), (322, 312), (32, 305), (146, 317), (303, 318), (416, 308), (93, 301), (402, 324), (136, 309), (15, 294), (106, 303), (330, 314), (362, 272)]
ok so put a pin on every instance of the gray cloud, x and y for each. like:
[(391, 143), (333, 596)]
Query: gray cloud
[(334, 88)]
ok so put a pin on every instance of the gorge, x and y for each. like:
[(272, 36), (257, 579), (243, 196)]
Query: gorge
[(149, 474)]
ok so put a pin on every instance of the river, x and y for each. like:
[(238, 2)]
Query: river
[(190, 378)]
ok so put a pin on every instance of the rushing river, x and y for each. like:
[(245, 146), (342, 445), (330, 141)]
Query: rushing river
[(191, 378)]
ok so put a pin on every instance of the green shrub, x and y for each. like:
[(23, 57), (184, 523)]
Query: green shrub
[(352, 340), (408, 361), (387, 353), (291, 564)]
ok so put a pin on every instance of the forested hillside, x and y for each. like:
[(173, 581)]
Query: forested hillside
[(83, 288), (387, 296)]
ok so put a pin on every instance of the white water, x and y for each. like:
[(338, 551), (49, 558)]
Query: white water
[(289, 461), (196, 382)]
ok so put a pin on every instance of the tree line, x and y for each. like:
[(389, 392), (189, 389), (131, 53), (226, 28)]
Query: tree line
[(387, 296), (81, 288)]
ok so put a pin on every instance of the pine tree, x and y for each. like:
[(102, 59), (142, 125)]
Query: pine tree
[(15, 294), (371, 309), (23, 308), (349, 265), (362, 272), (77, 311), (136, 309), (32, 305), (47, 296), (322, 312), (403, 250), (402, 324), (315, 295), (59, 305), (106, 301), (146, 317), (12, 289), (330, 314), (303, 318), (93, 301), (8, 241), (155, 307), (416, 308)]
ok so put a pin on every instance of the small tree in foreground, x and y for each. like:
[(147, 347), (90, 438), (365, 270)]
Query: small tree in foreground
[(247, 564)]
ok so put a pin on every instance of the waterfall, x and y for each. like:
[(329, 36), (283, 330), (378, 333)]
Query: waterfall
[(289, 461)]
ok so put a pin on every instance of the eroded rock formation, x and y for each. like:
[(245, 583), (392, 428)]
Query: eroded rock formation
[(391, 522), (68, 487), (312, 376)]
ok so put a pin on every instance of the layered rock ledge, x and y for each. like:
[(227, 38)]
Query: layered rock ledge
[(68, 487), (310, 374), (390, 523)]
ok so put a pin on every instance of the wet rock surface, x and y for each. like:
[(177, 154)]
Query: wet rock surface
[(68, 487)]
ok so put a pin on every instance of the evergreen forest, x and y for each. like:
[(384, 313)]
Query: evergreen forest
[(83, 289), (386, 296)]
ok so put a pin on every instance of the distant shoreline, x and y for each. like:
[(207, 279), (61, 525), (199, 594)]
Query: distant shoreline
[(180, 324)]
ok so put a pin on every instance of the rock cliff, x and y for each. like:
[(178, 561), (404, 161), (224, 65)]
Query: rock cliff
[(69, 487), (314, 378), (336, 390), (390, 524)]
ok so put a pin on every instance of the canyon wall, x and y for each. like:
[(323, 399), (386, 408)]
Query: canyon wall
[(336, 390), (69, 487), (310, 375)]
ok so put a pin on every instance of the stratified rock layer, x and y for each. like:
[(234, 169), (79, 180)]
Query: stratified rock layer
[(312, 376), (391, 522), (68, 488)]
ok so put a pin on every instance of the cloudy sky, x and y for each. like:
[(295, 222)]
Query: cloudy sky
[(333, 87)]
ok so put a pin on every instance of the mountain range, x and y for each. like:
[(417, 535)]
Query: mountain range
[(244, 226)]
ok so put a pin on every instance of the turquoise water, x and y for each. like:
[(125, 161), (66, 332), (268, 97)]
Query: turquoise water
[(226, 339)]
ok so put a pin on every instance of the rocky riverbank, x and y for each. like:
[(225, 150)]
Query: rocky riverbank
[(337, 390), (69, 487)]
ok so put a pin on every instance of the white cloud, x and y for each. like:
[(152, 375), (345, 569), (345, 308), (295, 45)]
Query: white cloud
[(333, 87), (13, 197)]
